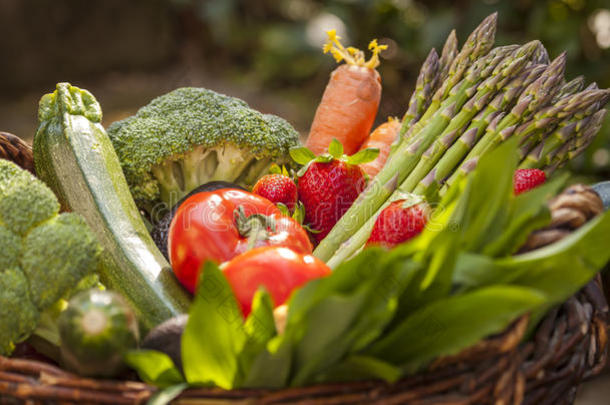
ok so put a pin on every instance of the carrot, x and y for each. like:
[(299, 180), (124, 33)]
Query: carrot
[(381, 138), (350, 101)]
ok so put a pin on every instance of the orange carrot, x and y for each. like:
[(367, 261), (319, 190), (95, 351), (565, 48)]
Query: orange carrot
[(381, 138), (350, 101)]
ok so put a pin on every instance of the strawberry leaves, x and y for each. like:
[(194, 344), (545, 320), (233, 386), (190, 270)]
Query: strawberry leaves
[(363, 156), (304, 157), (275, 169), (335, 149), (301, 155)]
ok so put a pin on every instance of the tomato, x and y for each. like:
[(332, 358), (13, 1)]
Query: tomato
[(278, 269), (219, 225)]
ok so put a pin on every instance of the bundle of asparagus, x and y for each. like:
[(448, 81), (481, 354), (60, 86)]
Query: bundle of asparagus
[(465, 104)]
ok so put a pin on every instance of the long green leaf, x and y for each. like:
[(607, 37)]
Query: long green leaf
[(525, 213), (260, 329), (214, 334), (452, 324), (358, 368), (559, 270)]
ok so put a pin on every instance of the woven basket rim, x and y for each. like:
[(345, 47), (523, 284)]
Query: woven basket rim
[(31, 379)]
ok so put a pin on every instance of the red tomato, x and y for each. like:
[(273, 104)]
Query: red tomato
[(278, 269), (219, 225)]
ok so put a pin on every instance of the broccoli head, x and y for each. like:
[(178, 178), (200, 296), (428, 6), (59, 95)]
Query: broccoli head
[(191, 136), (45, 254)]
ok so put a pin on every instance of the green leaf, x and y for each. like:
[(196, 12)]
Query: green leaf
[(259, 328), (449, 325), (283, 209), (326, 325), (214, 334), (154, 368), (487, 196), (335, 149), (167, 395), (526, 213), (363, 156), (359, 368), (473, 270), (301, 155), (559, 270), (271, 368), (299, 213)]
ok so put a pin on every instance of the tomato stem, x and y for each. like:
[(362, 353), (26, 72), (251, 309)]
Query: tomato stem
[(256, 227)]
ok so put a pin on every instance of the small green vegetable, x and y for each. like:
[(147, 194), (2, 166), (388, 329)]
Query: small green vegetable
[(44, 254), (191, 136), (97, 329)]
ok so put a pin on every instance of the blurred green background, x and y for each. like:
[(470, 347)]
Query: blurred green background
[(267, 52)]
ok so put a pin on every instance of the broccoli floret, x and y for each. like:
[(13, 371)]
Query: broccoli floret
[(191, 136), (45, 254)]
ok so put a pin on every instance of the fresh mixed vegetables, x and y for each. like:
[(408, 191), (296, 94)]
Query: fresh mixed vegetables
[(364, 254)]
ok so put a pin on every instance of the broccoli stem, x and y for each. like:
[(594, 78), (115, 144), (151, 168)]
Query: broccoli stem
[(169, 185), (194, 168), (231, 162)]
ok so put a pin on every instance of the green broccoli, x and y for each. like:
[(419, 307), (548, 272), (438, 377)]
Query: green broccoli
[(45, 255), (191, 136)]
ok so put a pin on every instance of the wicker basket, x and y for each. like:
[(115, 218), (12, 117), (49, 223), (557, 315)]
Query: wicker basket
[(569, 346)]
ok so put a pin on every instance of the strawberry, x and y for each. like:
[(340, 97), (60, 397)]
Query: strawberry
[(527, 179), (278, 188), (399, 222), (328, 184)]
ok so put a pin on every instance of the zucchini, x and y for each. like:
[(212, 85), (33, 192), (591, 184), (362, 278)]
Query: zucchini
[(97, 329), (75, 158)]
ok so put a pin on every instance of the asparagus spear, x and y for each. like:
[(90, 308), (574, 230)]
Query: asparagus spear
[(433, 72), (570, 128), (573, 86), (541, 56), (448, 54), (530, 142), (544, 150), (579, 143), (579, 105), (478, 43), (405, 156), (424, 88)]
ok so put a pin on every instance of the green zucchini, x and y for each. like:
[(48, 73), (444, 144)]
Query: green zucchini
[(75, 157), (97, 329)]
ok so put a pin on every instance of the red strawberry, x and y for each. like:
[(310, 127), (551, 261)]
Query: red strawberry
[(328, 184), (527, 179), (277, 188), (398, 222)]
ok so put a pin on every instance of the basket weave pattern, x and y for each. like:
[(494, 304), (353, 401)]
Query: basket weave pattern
[(570, 345)]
